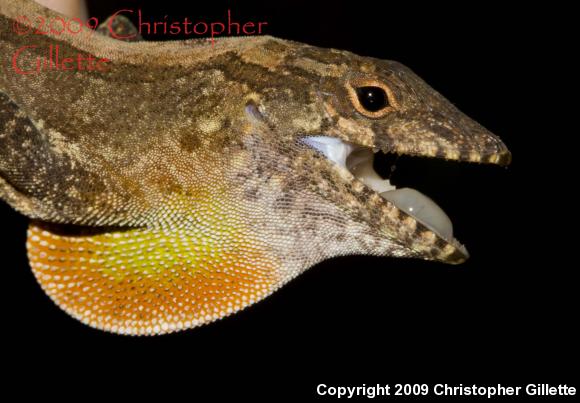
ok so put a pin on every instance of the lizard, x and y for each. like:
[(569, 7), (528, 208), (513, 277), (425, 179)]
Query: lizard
[(189, 180)]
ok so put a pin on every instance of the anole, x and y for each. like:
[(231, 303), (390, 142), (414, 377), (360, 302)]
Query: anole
[(187, 181)]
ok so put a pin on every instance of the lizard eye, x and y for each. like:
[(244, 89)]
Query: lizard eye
[(371, 98)]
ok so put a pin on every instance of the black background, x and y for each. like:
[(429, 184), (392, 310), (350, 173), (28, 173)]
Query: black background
[(505, 316)]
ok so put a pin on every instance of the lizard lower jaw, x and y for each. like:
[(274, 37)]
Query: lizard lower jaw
[(359, 162)]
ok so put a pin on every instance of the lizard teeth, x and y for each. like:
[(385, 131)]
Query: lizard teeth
[(359, 161)]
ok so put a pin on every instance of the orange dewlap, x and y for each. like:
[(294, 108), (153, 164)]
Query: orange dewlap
[(143, 281)]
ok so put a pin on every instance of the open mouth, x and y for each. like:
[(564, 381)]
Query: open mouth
[(358, 160)]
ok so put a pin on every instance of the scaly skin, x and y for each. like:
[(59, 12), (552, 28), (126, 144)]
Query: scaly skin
[(174, 189)]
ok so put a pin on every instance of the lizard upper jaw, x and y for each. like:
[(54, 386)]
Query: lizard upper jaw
[(358, 161)]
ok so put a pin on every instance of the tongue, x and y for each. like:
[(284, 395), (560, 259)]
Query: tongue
[(422, 208)]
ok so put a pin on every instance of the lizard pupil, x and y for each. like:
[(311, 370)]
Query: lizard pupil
[(373, 99)]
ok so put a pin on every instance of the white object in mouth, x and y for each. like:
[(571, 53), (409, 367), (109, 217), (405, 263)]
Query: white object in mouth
[(423, 209), (359, 161)]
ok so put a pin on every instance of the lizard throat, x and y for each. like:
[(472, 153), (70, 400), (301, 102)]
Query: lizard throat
[(358, 160)]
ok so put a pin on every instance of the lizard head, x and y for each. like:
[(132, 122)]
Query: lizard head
[(332, 112), (184, 184)]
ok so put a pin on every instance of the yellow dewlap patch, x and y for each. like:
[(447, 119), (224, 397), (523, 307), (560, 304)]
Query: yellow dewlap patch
[(146, 282)]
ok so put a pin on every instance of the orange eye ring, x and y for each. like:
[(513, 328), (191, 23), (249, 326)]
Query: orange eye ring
[(354, 86)]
